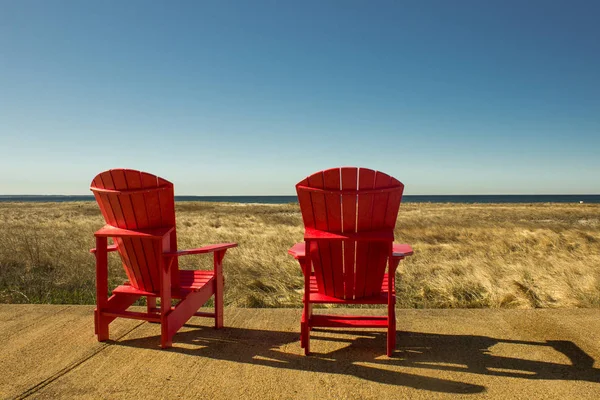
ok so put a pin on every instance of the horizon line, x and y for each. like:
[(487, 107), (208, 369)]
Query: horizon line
[(294, 195)]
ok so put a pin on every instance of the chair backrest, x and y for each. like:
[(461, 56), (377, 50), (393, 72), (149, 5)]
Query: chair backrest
[(133, 200), (349, 200)]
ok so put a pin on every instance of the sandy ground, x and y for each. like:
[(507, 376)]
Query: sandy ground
[(51, 352)]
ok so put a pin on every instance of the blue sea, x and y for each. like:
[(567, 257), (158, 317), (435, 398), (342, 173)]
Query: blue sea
[(495, 198)]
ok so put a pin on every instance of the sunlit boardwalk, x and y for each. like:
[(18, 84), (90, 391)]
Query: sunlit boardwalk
[(51, 352)]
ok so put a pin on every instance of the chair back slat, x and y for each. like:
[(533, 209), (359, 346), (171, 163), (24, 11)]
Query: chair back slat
[(332, 181), (349, 178), (320, 253)]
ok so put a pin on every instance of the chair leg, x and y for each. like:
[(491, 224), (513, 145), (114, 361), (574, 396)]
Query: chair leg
[(101, 326), (307, 310), (101, 323), (391, 334), (306, 335), (219, 308), (219, 283), (151, 304), (166, 341), (305, 328), (302, 335)]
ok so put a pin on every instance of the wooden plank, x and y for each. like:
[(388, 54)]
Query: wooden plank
[(166, 297), (194, 279), (154, 234), (105, 207), (187, 308), (146, 251), (126, 262), (314, 288), (205, 249), (333, 202), (204, 314), (111, 217), (151, 317), (351, 321), (148, 248), (218, 287), (103, 201), (152, 250), (305, 202), (101, 325), (129, 289), (401, 250), (378, 253), (298, 251), (138, 203), (367, 236), (111, 248), (167, 209), (133, 264), (307, 209), (349, 181), (151, 200), (323, 265), (318, 202), (319, 298), (147, 213), (378, 257), (119, 302), (366, 180), (391, 334), (113, 202), (167, 203), (138, 258), (381, 190), (380, 200), (113, 207), (315, 259), (393, 205), (120, 183)]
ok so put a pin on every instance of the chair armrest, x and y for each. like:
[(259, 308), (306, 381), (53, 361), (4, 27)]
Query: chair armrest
[(298, 251), (112, 247), (398, 250), (401, 250), (369, 236), (201, 250), (154, 234)]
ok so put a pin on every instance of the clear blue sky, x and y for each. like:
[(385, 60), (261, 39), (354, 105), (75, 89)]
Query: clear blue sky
[(248, 97)]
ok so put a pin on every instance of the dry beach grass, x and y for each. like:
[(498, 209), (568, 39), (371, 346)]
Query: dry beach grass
[(486, 255)]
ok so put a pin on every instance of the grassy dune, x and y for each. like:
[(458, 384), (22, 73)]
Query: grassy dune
[(514, 256)]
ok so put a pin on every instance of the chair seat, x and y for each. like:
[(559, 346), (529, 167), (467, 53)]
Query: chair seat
[(316, 297), (189, 281)]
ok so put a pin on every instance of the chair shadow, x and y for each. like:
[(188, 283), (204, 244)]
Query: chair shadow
[(459, 353)]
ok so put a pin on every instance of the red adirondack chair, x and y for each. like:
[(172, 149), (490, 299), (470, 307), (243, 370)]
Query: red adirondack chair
[(139, 210), (349, 216)]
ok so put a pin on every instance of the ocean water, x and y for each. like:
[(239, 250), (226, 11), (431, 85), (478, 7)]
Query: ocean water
[(495, 198)]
